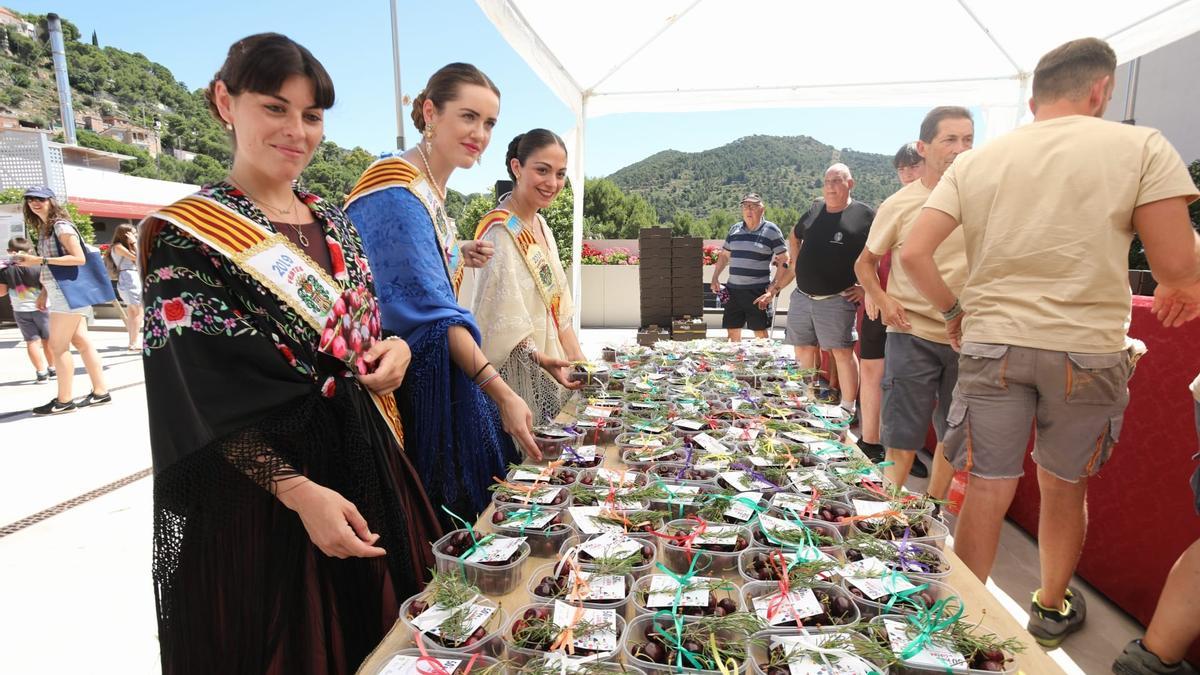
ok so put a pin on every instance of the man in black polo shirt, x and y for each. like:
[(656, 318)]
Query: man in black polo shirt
[(825, 244)]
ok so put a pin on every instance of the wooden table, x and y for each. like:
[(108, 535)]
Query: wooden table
[(979, 604)]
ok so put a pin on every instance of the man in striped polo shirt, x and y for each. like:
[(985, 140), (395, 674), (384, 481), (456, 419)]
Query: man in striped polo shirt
[(749, 248)]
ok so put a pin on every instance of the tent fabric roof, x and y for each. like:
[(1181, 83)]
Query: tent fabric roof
[(687, 55)]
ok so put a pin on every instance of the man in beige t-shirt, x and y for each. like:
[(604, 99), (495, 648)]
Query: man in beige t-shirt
[(1048, 212), (920, 367)]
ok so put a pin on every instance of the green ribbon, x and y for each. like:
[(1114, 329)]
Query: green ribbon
[(527, 517), (928, 622), (476, 543), (675, 638), (889, 580)]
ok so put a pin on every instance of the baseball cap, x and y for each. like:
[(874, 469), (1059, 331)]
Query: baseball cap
[(752, 197), (40, 191)]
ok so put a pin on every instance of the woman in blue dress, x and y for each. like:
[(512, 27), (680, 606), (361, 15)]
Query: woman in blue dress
[(458, 413)]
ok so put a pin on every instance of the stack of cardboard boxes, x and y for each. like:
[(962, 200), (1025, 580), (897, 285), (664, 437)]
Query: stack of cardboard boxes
[(672, 285)]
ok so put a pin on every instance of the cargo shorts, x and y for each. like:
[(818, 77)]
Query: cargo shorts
[(919, 376), (1075, 402)]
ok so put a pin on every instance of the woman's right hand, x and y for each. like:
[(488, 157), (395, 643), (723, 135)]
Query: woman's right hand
[(333, 523), (517, 420)]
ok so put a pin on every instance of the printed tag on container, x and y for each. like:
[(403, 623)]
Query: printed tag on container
[(401, 664), (739, 506), (611, 545), (831, 662), (799, 604), (431, 620), (663, 588), (601, 639), (938, 654), (499, 549), (874, 579), (599, 586)]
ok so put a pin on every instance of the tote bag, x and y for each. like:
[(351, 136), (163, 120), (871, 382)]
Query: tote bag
[(83, 285)]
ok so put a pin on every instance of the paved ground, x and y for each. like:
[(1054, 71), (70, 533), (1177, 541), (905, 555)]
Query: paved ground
[(75, 592)]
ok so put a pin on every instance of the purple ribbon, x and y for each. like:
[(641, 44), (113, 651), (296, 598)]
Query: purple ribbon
[(749, 469), (903, 547)]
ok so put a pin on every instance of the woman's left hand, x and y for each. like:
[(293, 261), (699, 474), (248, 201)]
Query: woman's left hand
[(476, 253), (560, 370), (392, 357)]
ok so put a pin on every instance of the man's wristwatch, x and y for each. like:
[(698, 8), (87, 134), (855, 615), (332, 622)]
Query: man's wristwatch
[(953, 313)]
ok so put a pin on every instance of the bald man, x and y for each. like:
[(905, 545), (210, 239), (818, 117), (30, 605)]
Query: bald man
[(824, 306)]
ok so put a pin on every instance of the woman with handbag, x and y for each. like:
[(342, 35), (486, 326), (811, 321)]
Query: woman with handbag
[(62, 254)]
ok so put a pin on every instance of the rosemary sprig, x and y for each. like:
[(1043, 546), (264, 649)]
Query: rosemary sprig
[(450, 589), (539, 633), (635, 518)]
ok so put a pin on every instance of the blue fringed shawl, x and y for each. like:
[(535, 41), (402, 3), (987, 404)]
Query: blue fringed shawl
[(452, 430)]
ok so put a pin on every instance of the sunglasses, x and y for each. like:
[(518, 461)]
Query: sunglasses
[(37, 199)]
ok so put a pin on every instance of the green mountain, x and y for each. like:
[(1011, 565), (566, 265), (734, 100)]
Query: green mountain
[(107, 81), (786, 170)]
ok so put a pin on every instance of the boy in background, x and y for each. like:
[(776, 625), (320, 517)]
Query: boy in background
[(23, 288)]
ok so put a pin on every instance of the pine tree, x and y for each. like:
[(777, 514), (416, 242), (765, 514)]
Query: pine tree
[(95, 40)]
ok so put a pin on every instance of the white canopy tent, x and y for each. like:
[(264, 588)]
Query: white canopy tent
[(622, 56)]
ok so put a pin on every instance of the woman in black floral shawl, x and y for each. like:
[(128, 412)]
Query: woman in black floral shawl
[(288, 523)]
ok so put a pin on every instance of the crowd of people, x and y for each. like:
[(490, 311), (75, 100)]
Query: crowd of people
[(1003, 289), (321, 405)]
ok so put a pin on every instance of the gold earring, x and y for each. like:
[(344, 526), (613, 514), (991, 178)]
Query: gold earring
[(430, 131), (228, 126)]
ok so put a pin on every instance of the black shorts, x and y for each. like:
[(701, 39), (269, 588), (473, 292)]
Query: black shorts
[(740, 311), (871, 339)]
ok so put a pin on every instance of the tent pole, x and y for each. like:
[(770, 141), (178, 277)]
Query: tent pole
[(577, 218), (396, 77)]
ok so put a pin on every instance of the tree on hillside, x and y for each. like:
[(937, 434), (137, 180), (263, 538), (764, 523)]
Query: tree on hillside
[(95, 40), (609, 213)]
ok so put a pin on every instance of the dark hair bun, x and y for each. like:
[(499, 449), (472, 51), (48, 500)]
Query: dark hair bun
[(418, 111), (514, 147)]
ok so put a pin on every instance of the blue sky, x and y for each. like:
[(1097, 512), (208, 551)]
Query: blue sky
[(353, 40)]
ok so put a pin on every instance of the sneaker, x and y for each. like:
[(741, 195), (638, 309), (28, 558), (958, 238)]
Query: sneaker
[(54, 407), (1051, 626), (919, 469), (1137, 660), (874, 451), (42, 376), (52, 373), (92, 399)]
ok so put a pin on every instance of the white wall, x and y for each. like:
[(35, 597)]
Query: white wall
[(1167, 95)]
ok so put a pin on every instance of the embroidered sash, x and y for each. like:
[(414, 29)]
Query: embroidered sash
[(535, 257), (392, 172), (273, 261)]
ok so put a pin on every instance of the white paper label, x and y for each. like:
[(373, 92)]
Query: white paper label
[(799, 604), (865, 507), (554, 434), (739, 506), (936, 653), (596, 411), (873, 578), (611, 545), (431, 620), (663, 588), (601, 639), (584, 453), (801, 437), (402, 664), (530, 476), (742, 482), (646, 443), (614, 477), (540, 496), (599, 586), (831, 661), (739, 434), (689, 425), (791, 502), (804, 481), (835, 412), (518, 518), (709, 443), (649, 427), (719, 535), (763, 461), (682, 494), (585, 520), (499, 549), (617, 502)]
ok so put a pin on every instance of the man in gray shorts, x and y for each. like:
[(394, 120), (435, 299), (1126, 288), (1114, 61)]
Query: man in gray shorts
[(1048, 212), (824, 306), (920, 367)]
